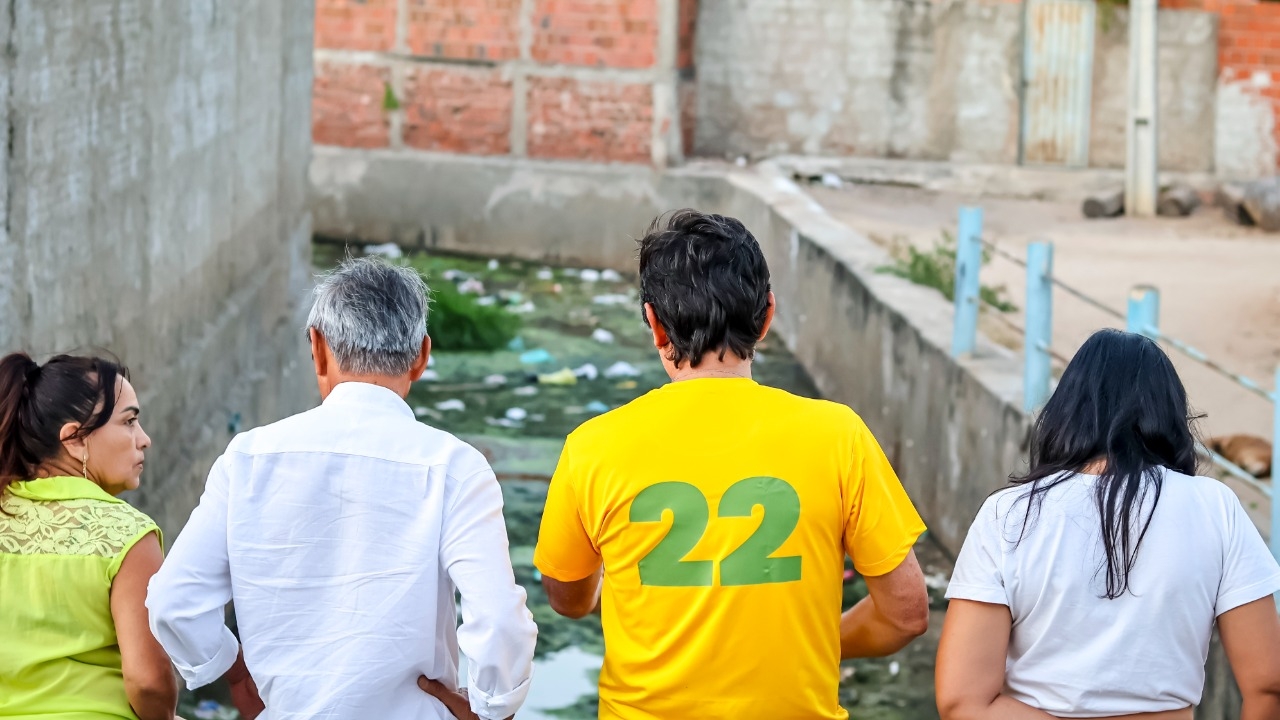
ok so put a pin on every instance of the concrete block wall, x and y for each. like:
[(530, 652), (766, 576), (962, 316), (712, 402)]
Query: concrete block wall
[(593, 80), (154, 205)]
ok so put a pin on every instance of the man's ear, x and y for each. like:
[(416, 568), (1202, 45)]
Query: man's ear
[(768, 317), (319, 352), (660, 339), (424, 357)]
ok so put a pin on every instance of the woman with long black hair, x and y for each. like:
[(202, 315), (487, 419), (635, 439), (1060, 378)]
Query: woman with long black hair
[(1090, 587)]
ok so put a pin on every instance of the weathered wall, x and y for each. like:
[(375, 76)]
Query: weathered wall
[(591, 80), (1187, 91), (953, 428), (155, 206), (925, 79), (894, 78)]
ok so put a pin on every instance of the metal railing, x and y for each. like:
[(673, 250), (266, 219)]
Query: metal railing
[(1141, 316)]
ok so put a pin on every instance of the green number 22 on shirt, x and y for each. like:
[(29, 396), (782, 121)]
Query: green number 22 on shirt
[(750, 564)]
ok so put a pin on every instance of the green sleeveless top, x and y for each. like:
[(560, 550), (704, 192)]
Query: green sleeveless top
[(61, 546)]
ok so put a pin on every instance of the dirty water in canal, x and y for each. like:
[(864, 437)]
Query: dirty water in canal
[(522, 354)]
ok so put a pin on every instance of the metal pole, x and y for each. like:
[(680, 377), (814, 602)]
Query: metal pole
[(1142, 165), (968, 266), (1275, 468), (1039, 333), (1144, 311)]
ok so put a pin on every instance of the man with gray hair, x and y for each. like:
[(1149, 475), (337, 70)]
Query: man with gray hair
[(341, 535)]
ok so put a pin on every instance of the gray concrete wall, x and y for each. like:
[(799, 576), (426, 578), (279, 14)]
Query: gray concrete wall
[(154, 205), (892, 78), (1187, 91), (925, 79)]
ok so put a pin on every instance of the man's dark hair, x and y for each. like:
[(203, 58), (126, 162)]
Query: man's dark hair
[(708, 283)]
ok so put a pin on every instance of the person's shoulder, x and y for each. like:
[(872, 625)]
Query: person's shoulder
[(1199, 491)]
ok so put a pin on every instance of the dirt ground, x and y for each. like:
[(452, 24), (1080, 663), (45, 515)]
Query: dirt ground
[(1219, 283)]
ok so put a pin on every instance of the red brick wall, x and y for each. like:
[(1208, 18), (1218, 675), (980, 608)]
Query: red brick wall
[(574, 79), (1248, 45), (574, 120)]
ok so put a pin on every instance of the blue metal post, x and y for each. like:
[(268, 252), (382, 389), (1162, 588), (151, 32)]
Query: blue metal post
[(1039, 333), (1275, 469), (968, 266), (1144, 311)]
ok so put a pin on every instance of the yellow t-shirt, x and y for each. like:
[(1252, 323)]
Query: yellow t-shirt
[(60, 548), (722, 511)]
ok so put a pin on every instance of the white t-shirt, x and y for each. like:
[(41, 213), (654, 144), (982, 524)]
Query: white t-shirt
[(1075, 654)]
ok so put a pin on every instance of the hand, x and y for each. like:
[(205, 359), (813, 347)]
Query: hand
[(456, 701), (244, 691)]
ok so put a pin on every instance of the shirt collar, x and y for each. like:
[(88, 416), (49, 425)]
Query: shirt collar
[(367, 395), (61, 488)]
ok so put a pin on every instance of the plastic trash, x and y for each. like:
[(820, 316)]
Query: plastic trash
[(493, 264), (741, 161), (832, 181), (621, 369), (627, 385), (525, 391), (429, 375), (516, 344), (557, 288), (431, 361), (894, 667), (597, 407), (523, 308), (471, 286), (610, 275), (502, 422), (511, 296), (564, 376), (447, 405), (570, 272), (387, 250), (601, 335), (587, 372), (451, 275), (487, 300), (545, 274), (495, 379), (589, 275), (612, 299), (574, 409), (517, 414), (535, 357)]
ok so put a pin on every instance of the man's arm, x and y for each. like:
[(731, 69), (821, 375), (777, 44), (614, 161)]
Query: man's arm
[(497, 633), (576, 599), (188, 596), (894, 612)]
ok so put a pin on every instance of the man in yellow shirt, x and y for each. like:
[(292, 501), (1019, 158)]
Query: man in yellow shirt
[(710, 518)]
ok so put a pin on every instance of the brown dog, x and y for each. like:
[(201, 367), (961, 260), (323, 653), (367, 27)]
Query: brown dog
[(1251, 453)]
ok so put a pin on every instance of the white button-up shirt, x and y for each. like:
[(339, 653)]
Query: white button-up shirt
[(341, 534)]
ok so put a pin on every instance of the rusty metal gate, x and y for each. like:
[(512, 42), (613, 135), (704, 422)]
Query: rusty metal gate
[(1058, 81)]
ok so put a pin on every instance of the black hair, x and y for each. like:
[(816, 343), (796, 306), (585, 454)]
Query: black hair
[(1120, 401), (708, 283), (37, 400)]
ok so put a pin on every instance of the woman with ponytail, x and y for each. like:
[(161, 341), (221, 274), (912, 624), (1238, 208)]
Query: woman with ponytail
[(74, 559), (1091, 586)]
